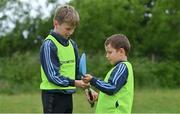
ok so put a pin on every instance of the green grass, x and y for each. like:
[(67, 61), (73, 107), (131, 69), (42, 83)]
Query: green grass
[(157, 101), (20, 103), (145, 101)]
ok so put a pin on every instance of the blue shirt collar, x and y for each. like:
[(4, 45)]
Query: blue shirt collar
[(60, 38), (120, 62)]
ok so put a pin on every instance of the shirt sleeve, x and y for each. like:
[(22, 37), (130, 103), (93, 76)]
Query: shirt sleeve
[(116, 81), (51, 65)]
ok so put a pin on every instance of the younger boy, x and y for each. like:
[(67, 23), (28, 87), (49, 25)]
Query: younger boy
[(59, 63), (117, 89)]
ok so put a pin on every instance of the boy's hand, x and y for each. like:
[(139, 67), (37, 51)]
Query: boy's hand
[(82, 84), (87, 78), (94, 95)]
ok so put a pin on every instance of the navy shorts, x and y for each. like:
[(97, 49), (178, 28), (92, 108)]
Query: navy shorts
[(54, 102)]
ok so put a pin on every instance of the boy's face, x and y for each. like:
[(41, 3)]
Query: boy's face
[(113, 55), (64, 29)]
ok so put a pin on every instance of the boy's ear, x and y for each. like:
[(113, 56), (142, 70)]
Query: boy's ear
[(55, 23), (121, 50)]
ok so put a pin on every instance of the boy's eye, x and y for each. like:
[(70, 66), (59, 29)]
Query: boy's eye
[(68, 28), (109, 52)]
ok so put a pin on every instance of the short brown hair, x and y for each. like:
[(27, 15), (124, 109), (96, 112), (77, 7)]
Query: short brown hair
[(67, 14), (118, 41)]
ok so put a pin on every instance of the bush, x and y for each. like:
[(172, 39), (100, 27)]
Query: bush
[(144, 73), (98, 65), (21, 72), (162, 74)]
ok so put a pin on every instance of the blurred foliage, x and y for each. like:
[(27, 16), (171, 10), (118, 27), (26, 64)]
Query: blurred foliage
[(98, 65), (21, 72), (152, 26), (156, 74)]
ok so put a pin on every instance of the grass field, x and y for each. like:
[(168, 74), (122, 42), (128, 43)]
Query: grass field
[(145, 101)]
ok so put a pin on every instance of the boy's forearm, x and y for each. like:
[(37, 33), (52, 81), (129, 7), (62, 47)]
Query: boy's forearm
[(103, 86)]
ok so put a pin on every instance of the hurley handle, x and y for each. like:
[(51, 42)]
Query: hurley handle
[(91, 97)]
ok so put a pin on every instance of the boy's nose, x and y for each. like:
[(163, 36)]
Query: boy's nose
[(106, 55), (71, 32)]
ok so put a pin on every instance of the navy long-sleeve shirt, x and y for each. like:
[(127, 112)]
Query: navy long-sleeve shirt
[(51, 63), (116, 81)]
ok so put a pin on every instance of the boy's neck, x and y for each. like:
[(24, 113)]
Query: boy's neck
[(123, 58)]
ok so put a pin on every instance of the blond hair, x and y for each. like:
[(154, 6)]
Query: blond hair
[(67, 14)]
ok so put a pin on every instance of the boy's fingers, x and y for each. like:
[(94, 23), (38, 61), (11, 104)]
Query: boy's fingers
[(85, 79)]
